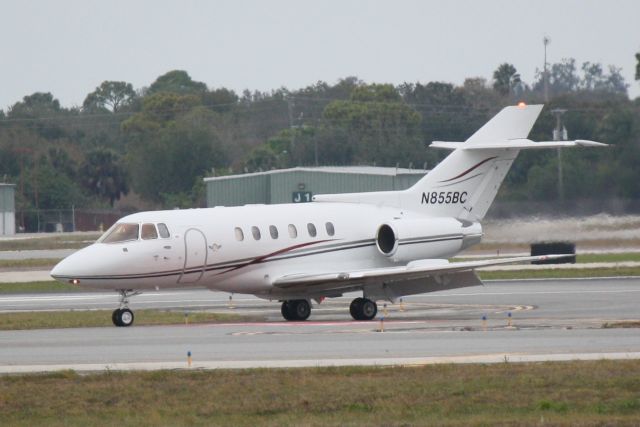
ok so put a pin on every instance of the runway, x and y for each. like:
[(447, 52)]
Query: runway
[(551, 320)]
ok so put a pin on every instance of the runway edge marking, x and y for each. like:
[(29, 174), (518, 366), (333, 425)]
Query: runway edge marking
[(314, 363)]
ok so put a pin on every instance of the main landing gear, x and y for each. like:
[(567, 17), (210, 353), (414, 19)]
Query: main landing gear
[(363, 309), (123, 316), (296, 309), (300, 309)]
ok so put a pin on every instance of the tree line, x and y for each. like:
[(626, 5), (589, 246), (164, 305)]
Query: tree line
[(158, 142)]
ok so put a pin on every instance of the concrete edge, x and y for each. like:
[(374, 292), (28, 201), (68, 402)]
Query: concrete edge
[(315, 363)]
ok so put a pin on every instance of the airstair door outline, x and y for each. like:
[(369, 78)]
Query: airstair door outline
[(195, 256)]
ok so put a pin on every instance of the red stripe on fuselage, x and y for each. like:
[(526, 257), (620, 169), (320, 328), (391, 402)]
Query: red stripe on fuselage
[(260, 259)]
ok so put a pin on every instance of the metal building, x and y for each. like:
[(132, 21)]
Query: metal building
[(7, 209), (300, 184)]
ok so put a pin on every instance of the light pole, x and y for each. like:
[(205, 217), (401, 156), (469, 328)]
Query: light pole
[(560, 134), (545, 77)]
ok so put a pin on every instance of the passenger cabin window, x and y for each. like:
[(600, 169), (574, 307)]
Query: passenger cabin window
[(293, 231), (122, 233), (239, 234), (273, 230), (311, 229), (164, 231), (148, 232), (330, 229), (256, 232)]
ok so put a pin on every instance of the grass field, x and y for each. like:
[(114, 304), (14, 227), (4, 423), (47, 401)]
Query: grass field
[(559, 273), (30, 263), (608, 257), (52, 241), (97, 318), (622, 324), (603, 244), (38, 287), (53, 286), (581, 258), (561, 393)]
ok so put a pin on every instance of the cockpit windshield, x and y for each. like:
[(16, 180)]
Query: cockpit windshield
[(121, 232)]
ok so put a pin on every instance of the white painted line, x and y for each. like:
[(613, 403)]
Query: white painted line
[(621, 291), (308, 363)]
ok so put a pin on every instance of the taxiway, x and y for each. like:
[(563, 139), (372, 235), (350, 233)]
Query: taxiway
[(550, 320)]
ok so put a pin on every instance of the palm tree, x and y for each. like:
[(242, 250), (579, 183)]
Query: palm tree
[(506, 79)]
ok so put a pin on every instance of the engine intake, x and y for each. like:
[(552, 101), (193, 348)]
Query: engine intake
[(404, 240), (387, 240)]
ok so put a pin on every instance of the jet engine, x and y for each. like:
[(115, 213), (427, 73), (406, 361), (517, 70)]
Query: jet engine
[(404, 240)]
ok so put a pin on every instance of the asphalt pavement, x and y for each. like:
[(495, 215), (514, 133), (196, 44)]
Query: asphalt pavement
[(549, 320)]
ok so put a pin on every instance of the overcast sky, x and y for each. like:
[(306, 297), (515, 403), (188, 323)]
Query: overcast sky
[(68, 47)]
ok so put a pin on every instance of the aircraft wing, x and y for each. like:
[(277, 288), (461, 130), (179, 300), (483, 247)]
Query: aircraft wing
[(420, 269)]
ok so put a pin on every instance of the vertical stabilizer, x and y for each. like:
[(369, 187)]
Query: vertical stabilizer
[(466, 182), (510, 123)]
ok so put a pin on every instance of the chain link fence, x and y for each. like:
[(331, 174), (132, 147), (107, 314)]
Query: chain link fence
[(66, 220)]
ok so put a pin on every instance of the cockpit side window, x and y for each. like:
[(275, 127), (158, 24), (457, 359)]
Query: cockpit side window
[(164, 231), (148, 232), (121, 233)]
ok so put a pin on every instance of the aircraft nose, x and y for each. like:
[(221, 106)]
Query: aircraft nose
[(64, 269), (79, 264)]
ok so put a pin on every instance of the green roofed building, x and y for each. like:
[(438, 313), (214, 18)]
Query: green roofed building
[(299, 185), (7, 209)]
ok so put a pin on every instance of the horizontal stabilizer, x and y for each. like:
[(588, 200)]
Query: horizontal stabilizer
[(515, 143)]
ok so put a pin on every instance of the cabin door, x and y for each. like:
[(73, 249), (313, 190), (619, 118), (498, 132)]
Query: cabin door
[(195, 256)]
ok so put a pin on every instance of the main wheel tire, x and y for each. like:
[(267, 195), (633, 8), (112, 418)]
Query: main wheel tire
[(115, 317), (286, 310), (355, 308), (363, 309), (301, 309), (125, 317), (368, 309)]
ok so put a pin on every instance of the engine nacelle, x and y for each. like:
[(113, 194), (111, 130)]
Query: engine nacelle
[(404, 240)]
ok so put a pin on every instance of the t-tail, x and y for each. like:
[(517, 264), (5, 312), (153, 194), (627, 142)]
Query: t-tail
[(466, 182)]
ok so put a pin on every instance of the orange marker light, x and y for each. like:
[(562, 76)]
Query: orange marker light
[(522, 105)]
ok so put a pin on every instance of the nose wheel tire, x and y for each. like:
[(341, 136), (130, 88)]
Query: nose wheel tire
[(122, 317), (363, 309), (298, 309)]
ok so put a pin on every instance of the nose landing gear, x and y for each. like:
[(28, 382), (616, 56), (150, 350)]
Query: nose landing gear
[(123, 316)]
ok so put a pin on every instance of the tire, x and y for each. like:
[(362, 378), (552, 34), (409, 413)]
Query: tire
[(355, 308), (115, 317), (286, 310), (125, 317), (363, 309), (300, 309), (368, 309)]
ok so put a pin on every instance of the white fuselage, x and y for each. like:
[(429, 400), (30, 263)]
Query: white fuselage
[(205, 248)]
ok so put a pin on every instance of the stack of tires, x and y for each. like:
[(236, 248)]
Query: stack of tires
[(554, 248)]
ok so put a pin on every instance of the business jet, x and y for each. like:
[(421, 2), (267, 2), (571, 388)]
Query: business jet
[(385, 244)]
